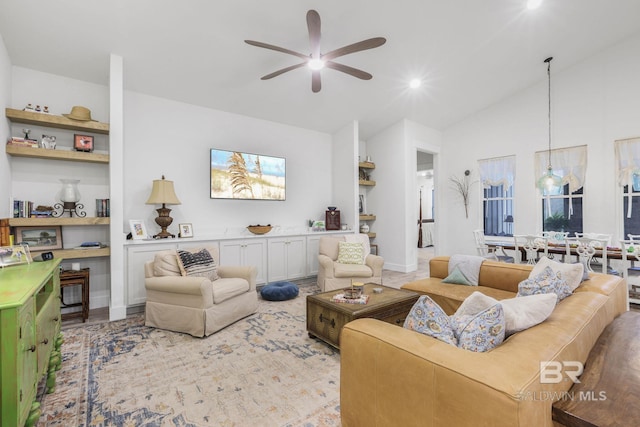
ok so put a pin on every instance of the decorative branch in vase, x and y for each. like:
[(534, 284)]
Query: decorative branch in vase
[(462, 187)]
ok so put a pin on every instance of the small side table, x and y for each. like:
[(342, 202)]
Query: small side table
[(75, 278)]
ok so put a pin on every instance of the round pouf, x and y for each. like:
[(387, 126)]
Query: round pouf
[(279, 291)]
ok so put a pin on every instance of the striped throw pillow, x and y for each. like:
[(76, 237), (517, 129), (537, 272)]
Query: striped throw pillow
[(198, 264)]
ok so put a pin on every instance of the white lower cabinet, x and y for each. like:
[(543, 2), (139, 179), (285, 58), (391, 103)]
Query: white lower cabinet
[(246, 252), (137, 256), (287, 258)]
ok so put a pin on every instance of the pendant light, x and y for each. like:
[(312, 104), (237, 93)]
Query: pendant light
[(549, 179)]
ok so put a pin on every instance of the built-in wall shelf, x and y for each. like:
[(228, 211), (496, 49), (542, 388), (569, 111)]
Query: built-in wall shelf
[(367, 165), (366, 182), (39, 222), (79, 253), (367, 217), (53, 121), (371, 235), (43, 153)]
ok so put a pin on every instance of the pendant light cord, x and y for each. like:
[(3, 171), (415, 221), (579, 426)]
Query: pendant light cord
[(548, 61)]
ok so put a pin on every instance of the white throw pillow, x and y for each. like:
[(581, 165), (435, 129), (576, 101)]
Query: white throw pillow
[(572, 273), (520, 313)]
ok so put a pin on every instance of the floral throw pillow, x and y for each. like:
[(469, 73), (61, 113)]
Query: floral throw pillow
[(480, 332), (428, 318), (547, 282)]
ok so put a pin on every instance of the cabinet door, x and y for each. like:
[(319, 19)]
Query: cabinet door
[(277, 259), (231, 252), (255, 253), (46, 326), (296, 257), (27, 359), (135, 293)]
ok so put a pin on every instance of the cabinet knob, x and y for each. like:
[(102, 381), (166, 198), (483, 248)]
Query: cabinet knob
[(32, 348), (46, 341), (55, 319)]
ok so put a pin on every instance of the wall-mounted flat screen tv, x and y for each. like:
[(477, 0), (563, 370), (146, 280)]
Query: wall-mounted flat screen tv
[(237, 175)]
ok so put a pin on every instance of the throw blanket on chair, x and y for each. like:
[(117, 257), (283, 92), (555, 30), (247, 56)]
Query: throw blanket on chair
[(469, 265)]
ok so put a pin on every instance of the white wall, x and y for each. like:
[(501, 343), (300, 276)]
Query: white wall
[(594, 102), (344, 174), (163, 137), (5, 101)]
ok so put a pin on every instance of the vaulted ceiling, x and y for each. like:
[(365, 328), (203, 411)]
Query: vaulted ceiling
[(468, 53)]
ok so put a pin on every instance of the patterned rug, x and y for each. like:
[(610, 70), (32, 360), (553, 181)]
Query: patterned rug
[(261, 371)]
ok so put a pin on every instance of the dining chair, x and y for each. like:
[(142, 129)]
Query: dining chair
[(496, 254), (630, 254), (586, 249), (555, 238), (532, 245)]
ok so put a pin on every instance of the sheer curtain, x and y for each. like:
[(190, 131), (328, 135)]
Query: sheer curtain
[(628, 163), (568, 163), (498, 171)]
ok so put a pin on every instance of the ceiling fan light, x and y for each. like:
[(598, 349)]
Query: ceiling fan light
[(533, 4), (316, 64), (415, 83)]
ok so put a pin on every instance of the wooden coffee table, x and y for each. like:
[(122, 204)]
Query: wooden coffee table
[(326, 318)]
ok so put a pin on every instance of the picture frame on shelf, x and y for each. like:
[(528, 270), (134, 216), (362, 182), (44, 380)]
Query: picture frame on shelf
[(83, 143), (14, 255), (39, 238), (186, 230), (138, 229)]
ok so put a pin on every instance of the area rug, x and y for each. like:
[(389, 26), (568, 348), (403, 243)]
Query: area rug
[(261, 371)]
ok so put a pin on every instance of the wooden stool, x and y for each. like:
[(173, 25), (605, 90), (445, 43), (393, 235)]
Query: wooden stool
[(75, 278)]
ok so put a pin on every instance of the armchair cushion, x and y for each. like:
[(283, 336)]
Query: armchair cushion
[(197, 264), (224, 289), (351, 270), (350, 253), (165, 263)]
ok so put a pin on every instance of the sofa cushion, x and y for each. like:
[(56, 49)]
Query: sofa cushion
[(350, 253), (351, 270), (227, 288), (198, 264), (544, 283), (165, 263), (426, 317), (572, 273), (520, 313)]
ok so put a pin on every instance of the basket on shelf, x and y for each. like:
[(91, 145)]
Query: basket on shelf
[(259, 229)]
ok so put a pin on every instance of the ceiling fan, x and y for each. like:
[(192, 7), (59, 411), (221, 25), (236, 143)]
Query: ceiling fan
[(316, 60)]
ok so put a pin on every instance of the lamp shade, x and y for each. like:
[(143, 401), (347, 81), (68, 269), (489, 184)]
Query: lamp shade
[(509, 218), (163, 193), (549, 180)]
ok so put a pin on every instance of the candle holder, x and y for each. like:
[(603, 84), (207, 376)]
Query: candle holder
[(70, 196)]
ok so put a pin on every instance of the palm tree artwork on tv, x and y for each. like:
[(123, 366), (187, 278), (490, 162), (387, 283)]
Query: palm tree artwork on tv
[(237, 175)]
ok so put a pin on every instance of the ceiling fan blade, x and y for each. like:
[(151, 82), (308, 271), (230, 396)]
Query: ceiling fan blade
[(355, 47), (276, 48), (315, 81), (282, 71), (349, 70), (313, 23)]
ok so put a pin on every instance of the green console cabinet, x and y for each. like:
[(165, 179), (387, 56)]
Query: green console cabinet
[(30, 338)]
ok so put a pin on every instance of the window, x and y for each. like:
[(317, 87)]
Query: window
[(497, 176), (562, 205), (628, 163)]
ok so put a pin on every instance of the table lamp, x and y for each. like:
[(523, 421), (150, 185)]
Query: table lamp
[(163, 193)]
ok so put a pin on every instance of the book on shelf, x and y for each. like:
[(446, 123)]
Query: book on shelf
[(103, 208), (340, 298), (22, 208), (91, 245), (14, 140)]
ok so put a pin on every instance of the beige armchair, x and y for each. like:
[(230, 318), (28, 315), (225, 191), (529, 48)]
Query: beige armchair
[(196, 305), (334, 275)]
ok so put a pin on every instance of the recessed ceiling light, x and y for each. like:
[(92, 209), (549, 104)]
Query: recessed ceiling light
[(415, 83), (316, 64), (533, 4)]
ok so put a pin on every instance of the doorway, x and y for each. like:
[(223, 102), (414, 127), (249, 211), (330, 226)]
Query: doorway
[(425, 192)]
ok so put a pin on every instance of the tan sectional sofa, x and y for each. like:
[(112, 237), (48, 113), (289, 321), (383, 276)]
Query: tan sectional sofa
[(392, 376)]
